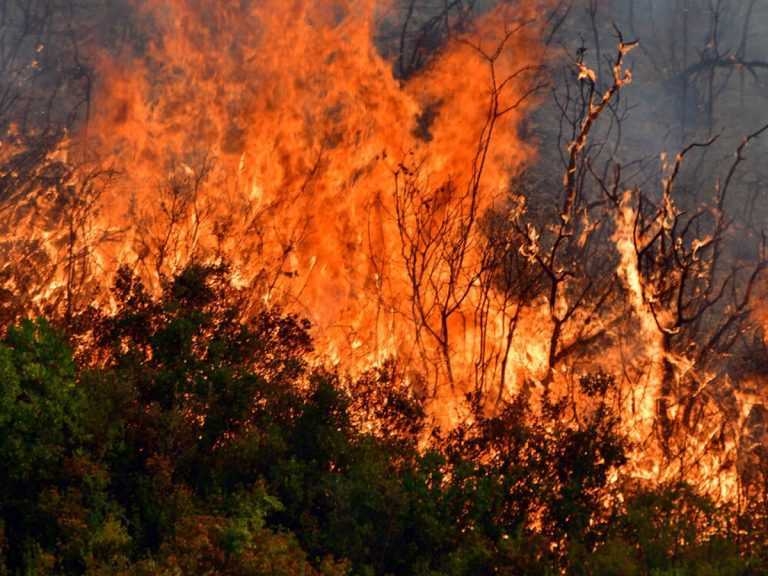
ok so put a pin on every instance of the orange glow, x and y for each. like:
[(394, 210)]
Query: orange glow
[(279, 153), (276, 138)]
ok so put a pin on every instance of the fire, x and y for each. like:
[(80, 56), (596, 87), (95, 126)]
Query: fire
[(272, 137), (651, 336), (275, 136)]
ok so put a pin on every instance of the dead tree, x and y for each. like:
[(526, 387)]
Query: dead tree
[(700, 296), (438, 226), (580, 285), (697, 285)]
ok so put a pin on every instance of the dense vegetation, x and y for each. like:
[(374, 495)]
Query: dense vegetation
[(174, 437)]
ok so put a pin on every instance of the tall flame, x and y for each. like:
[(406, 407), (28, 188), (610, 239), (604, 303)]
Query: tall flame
[(274, 135), (651, 338)]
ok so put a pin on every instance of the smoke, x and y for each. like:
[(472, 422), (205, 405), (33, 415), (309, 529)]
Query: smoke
[(700, 71)]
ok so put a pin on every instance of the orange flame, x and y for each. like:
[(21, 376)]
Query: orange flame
[(275, 136)]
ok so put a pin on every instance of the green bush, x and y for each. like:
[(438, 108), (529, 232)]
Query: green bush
[(187, 440)]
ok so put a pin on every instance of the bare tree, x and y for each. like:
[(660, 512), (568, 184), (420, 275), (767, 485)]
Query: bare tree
[(439, 226)]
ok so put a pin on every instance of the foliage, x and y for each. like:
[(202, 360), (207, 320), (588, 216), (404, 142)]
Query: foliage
[(185, 439)]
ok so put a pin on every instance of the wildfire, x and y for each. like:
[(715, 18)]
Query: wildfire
[(272, 138), (275, 136)]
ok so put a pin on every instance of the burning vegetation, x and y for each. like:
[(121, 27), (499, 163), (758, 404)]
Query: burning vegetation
[(364, 287)]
